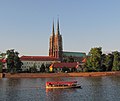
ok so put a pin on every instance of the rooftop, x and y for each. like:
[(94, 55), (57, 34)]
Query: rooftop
[(69, 65), (74, 54), (38, 58)]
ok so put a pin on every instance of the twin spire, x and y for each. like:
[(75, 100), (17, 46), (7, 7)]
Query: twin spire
[(55, 43), (57, 32)]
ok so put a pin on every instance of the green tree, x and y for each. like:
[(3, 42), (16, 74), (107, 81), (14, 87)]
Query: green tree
[(17, 62), (94, 60), (33, 69), (2, 55), (109, 62), (103, 63), (42, 69), (0, 67), (116, 61), (13, 61), (73, 69), (70, 59), (65, 69), (88, 65), (47, 67), (10, 60)]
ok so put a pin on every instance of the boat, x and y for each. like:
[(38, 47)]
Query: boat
[(62, 84)]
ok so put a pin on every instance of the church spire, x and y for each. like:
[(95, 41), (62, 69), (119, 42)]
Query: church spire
[(55, 48), (53, 33), (58, 32)]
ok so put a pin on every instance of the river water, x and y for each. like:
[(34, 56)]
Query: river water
[(33, 89)]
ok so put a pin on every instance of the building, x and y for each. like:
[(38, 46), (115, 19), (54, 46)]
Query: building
[(37, 61), (64, 67), (55, 44), (56, 53), (76, 56), (56, 48)]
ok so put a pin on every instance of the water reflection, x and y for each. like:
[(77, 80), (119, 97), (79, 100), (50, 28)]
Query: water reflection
[(59, 94), (93, 88)]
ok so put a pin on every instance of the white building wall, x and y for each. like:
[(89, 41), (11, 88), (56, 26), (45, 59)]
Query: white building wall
[(27, 64)]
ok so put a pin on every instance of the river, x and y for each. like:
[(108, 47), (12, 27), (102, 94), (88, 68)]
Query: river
[(33, 89)]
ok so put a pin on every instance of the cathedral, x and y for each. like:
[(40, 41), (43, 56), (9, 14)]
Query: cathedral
[(56, 48), (55, 44), (56, 53)]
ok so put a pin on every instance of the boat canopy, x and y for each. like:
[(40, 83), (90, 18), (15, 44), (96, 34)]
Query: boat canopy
[(60, 82)]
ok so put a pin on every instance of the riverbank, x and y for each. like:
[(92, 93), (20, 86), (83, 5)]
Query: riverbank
[(49, 75)]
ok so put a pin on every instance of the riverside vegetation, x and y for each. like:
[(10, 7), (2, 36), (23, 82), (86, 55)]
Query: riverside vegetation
[(96, 61)]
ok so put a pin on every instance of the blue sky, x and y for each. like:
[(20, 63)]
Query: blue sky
[(26, 25)]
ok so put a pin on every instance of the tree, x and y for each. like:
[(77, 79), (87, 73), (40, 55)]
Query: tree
[(103, 62), (47, 67), (65, 69), (109, 62), (73, 69), (33, 69), (88, 65), (13, 61), (116, 61), (94, 61), (42, 69), (10, 60), (70, 59), (0, 67), (17, 62)]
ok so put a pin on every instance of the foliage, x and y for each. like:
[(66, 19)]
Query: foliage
[(94, 61), (47, 67), (42, 69), (103, 62), (70, 59), (73, 69), (2, 55), (0, 67), (109, 62), (65, 69), (116, 61), (33, 69), (13, 61)]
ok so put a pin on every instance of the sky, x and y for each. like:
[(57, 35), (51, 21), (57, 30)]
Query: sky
[(26, 25)]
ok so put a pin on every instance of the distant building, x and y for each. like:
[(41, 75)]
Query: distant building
[(56, 53), (67, 67), (77, 56), (30, 61), (55, 44)]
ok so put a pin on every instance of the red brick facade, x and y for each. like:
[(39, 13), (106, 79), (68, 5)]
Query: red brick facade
[(55, 45)]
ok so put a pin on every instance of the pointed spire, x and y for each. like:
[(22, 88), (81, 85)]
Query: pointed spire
[(53, 33), (58, 27)]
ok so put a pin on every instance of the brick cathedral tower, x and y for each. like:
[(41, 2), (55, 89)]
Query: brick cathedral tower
[(55, 45)]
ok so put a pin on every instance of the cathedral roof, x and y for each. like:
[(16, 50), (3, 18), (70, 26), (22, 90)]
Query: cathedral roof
[(38, 58), (74, 54)]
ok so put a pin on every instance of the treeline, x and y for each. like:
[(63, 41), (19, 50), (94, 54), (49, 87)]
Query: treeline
[(97, 61)]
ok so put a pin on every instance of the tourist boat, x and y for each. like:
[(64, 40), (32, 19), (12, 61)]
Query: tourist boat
[(62, 84)]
